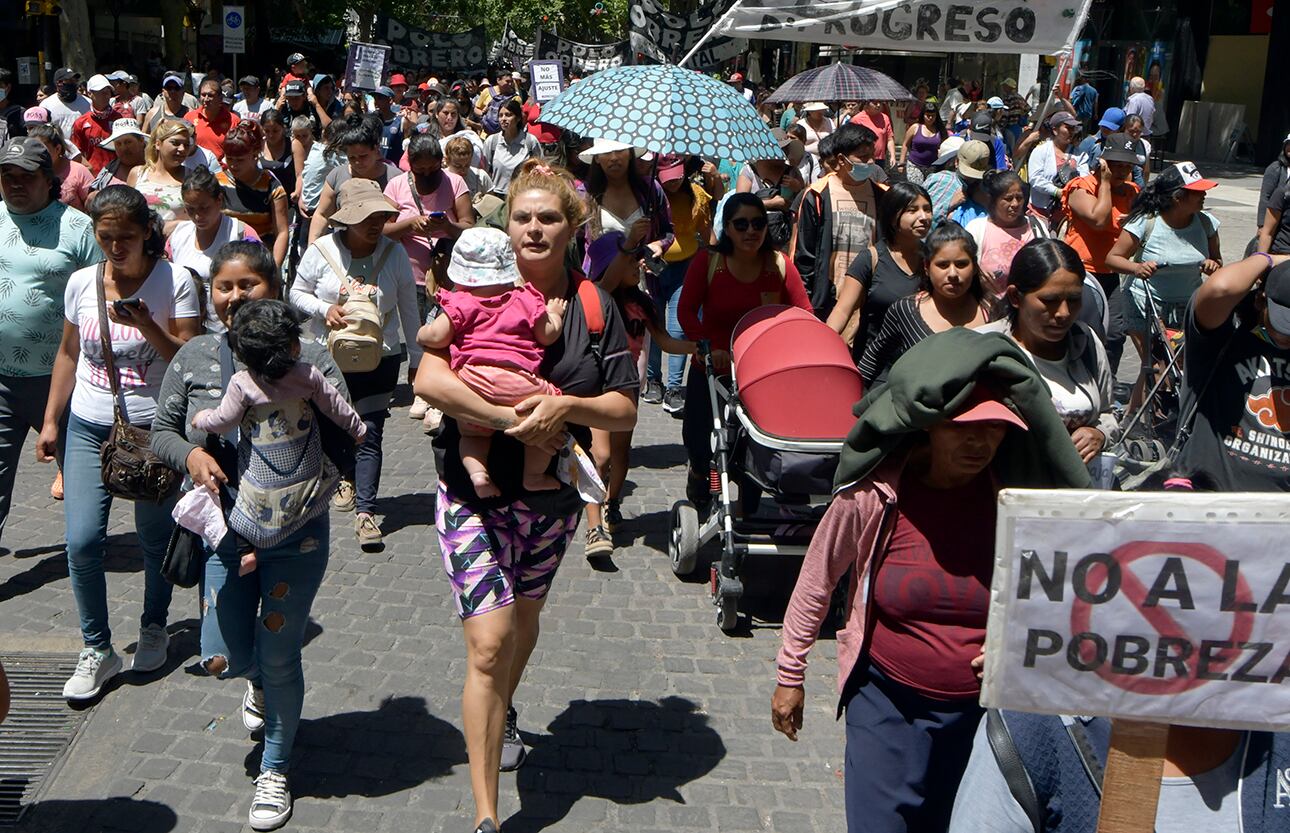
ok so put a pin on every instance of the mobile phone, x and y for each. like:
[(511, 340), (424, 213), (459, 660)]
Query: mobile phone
[(438, 215), (121, 303)]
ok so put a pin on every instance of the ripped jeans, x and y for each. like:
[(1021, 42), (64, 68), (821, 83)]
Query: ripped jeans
[(256, 624)]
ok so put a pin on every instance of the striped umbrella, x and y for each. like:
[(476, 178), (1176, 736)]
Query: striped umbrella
[(841, 82), (665, 109)]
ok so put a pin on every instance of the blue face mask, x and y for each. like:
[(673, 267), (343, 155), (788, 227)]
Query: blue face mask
[(862, 171)]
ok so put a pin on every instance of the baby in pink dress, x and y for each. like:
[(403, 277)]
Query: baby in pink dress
[(495, 329)]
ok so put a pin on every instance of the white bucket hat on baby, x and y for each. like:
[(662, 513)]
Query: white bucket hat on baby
[(483, 257)]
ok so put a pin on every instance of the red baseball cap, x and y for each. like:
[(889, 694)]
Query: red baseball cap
[(738, 76), (670, 167), (545, 133), (396, 79), (984, 405)]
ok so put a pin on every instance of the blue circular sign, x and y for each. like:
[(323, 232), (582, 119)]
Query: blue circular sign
[(233, 20)]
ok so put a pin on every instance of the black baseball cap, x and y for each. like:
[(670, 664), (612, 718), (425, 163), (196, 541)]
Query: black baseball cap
[(249, 81), (294, 58), (1118, 147), (66, 74), (1276, 288), (982, 126), (294, 87), (27, 153)]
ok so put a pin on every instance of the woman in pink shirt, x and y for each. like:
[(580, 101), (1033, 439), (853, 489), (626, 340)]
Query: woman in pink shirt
[(76, 179), (1001, 234), (873, 116)]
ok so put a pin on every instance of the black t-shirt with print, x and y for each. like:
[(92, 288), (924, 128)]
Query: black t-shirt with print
[(1240, 436), (884, 284), (570, 365)]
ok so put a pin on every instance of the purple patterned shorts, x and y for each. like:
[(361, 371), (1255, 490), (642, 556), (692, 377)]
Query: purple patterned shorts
[(494, 556)]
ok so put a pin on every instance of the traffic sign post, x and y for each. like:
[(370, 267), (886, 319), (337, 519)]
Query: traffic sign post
[(235, 33)]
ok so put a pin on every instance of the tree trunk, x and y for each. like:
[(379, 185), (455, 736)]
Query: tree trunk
[(172, 20), (77, 37)]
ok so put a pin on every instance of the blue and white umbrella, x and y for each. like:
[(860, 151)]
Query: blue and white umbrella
[(665, 109)]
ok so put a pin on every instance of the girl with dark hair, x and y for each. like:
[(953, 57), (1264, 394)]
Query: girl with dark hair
[(277, 157), (195, 240), (252, 194), (151, 309), (1167, 244), (922, 144), (280, 592), (1045, 294), (452, 125), (359, 139), (1004, 230), (742, 273), (74, 178), (886, 271), (510, 147), (952, 293)]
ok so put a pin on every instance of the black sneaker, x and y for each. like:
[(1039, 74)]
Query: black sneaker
[(674, 401), (599, 543), (486, 826), (513, 751), (613, 514), (653, 393), (698, 490)]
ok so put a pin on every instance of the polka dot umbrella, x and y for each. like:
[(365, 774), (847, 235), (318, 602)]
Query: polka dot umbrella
[(665, 109)]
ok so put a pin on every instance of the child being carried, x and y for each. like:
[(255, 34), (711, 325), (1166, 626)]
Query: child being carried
[(495, 329), (284, 478)]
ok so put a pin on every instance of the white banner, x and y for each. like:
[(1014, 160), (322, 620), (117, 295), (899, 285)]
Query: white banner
[(1008, 26), (1162, 607)]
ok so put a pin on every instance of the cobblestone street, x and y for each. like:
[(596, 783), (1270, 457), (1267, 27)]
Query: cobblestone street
[(641, 716)]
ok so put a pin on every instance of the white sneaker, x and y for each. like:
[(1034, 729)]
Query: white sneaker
[(253, 708), (93, 669), (150, 653), (271, 806), (419, 408), (433, 419)]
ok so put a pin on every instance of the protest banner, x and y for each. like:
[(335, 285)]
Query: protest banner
[(997, 26), (547, 80), (365, 66), (511, 50), (667, 37), (580, 57), (1169, 608), (418, 49)]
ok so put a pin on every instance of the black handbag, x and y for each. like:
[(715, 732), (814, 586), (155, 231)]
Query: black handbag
[(128, 467), (185, 558)]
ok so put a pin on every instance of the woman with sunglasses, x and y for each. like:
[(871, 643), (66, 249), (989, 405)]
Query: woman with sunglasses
[(743, 272), (922, 145)]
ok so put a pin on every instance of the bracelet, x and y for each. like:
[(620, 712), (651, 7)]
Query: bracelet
[(1268, 257)]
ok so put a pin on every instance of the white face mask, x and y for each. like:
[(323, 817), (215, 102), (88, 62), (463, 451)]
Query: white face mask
[(3, 93)]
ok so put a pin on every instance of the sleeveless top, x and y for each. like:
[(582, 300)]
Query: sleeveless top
[(163, 198), (924, 149)]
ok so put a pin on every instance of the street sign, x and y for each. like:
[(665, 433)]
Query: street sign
[(547, 78), (1166, 607), (234, 30)]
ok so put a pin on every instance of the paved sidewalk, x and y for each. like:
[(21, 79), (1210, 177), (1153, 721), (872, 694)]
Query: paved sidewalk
[(640, 714)]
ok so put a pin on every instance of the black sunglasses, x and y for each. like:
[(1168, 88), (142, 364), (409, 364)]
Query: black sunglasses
[(741, 224)]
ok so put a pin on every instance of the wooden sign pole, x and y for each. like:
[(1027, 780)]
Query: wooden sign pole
[(1131, 786)]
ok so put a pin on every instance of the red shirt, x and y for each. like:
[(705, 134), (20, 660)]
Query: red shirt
[(87, 131), (210, 134), (726, 299), (932, 591), (881, 127)]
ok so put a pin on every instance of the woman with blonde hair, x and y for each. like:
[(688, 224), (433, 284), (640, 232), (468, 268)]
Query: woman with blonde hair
[(500, 578), (162, 175)]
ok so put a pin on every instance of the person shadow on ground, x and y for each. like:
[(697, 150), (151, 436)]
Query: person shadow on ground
[(625, 751), (397, 747), (105, 815)]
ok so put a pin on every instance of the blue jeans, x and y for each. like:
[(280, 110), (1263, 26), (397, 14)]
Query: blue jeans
[(669, 295), (256, 622), (86, 504)]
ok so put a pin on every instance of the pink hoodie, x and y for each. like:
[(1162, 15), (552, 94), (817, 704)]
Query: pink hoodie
[(856, 526)]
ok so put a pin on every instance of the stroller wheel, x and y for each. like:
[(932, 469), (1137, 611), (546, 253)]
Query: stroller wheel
[(683, 542), (728, 613)]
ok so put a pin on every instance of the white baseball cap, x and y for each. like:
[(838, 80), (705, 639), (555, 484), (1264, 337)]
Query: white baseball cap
[(98, 83), (122, 127), (600, 146)]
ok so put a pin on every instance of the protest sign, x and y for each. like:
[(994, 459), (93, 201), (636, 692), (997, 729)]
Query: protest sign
[(365, 66), (418, 49), (1160, 607), (1000, 26), (667, 37), (580, 57), (512, 50), (547, 80)]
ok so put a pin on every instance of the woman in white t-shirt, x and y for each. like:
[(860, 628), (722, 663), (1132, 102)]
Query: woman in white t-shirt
[(158, 315), (195, 241)]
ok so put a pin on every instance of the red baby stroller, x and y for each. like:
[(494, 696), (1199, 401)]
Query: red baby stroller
[(777, 429)]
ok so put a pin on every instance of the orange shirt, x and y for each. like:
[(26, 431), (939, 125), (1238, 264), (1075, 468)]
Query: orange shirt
[(1093, 244), (210, 134)]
